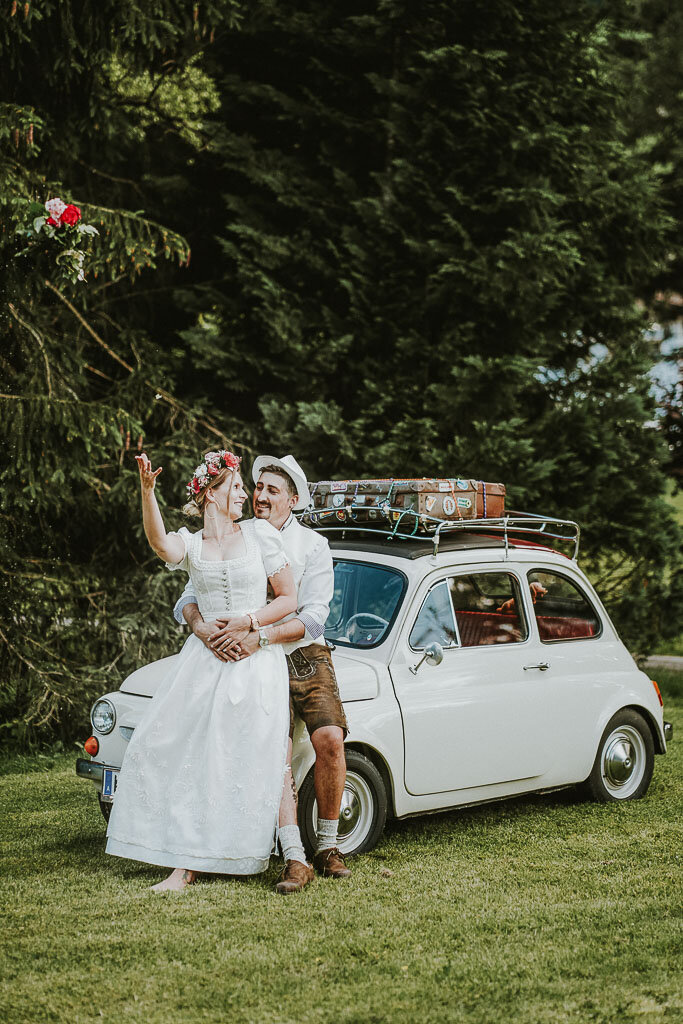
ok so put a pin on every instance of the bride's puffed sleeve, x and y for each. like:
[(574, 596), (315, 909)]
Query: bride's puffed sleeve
[(184, 562), (270, 542)]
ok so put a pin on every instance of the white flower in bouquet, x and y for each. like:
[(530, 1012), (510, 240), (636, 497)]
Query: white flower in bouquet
[(55, 207)]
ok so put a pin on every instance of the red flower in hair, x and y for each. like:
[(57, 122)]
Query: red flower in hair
[(211, 465)]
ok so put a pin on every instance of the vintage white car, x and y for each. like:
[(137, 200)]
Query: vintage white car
[(475, 665)]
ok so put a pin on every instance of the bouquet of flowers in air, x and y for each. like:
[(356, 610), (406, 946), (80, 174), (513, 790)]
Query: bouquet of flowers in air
[(57, 226)]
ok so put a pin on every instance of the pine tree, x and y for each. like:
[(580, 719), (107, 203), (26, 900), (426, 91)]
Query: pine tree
[(418, 235), (87, 367), (648, 42), (436, 236)]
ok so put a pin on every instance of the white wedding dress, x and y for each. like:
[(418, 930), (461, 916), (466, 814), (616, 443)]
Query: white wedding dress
[(201, 782)]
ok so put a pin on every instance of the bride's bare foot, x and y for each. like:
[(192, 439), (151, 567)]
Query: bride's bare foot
[(176, 881)]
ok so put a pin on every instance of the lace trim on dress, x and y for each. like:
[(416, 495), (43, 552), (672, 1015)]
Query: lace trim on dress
[(167, 859), (285, 565)]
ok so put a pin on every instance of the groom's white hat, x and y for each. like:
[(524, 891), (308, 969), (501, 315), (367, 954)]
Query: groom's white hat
[(292, 468)]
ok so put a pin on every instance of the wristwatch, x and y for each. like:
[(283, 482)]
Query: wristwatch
[(263, 639)]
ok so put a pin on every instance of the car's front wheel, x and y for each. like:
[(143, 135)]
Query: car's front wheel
[(624, 761), (363, 807)]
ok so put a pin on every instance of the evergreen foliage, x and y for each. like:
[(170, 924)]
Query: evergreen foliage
[(649, 44), (418, 239), (437, 231), (85, 369)]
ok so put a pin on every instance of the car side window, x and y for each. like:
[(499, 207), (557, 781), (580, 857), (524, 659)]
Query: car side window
[(435, 620), (488, 609), (563, 612)]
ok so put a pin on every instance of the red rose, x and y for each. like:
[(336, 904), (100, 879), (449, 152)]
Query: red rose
[(71, 215), (231, 461), (196, 486), (212, 468), (53, 222)]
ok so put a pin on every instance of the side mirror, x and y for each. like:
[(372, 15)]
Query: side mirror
[(433, 655)]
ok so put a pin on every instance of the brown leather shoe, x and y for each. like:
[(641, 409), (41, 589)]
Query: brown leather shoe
[(295, 876), (330, 864)]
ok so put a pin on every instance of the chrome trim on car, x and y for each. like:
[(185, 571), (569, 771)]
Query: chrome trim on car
[(668, 731), (514, 523), (89, 769), (103, 700)]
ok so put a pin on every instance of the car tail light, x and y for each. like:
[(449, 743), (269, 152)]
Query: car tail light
[(658, 692), (91, 746)]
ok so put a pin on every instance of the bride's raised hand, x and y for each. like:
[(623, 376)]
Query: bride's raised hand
[(147, 477), (168, 546)]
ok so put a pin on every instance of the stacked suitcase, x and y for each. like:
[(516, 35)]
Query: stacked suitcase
[(414, 502)]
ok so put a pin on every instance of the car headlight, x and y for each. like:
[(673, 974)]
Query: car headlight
[(103, 716)]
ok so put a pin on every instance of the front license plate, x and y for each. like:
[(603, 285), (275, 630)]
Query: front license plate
[(109, 778)]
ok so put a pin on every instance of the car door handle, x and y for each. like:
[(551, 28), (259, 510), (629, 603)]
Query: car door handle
[(542, 666)]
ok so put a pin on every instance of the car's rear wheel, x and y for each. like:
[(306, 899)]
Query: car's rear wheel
[(363, 807), (105, 806), (624, 761)]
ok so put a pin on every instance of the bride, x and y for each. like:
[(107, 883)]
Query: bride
[(200, 785)]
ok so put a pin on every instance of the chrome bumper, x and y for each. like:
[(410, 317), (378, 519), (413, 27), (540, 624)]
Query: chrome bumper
[(89, 770), (668, 731)]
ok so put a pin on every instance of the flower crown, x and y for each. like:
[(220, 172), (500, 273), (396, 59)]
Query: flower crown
[(213, 463)]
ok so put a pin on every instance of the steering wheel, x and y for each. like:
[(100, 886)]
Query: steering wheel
[(377, 623)]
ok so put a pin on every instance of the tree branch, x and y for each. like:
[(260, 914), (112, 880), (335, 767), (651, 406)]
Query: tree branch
[(159, 392), (91, 332), (111, 177), (34, 333)]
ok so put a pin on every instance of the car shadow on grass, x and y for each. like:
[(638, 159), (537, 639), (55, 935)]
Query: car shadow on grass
[(525, 808)]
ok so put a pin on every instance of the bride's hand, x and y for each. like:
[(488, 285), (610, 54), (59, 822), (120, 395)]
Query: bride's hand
[(147, 477)]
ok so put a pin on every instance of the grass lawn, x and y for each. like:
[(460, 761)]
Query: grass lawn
[(543, 909)]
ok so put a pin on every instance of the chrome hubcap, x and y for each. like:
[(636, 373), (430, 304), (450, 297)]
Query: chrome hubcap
[(623, 761), (355, 815)]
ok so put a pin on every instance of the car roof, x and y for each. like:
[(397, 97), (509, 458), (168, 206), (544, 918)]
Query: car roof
[(420, 547)]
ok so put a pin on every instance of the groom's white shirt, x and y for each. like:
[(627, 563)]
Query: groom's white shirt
[(310, 560)]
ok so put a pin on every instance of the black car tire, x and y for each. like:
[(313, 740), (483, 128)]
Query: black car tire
[(363, 811), (625, 759), (105, 807)]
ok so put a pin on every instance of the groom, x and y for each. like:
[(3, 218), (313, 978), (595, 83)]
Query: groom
[(281, 488)]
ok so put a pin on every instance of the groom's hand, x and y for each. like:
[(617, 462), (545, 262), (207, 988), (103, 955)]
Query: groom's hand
[(250, 644)]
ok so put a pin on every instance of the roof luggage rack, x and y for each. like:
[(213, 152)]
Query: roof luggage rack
[(405, 524)]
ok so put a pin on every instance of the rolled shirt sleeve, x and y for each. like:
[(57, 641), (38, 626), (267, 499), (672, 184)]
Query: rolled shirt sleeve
[(315, 591), (188, 596)]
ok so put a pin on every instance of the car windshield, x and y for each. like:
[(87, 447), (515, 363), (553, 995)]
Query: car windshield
[(365, 602)]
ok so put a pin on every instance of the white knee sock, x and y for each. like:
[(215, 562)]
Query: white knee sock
[(290, 841), (326, 833)]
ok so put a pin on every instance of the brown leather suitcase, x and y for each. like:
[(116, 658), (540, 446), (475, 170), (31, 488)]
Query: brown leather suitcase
[(449, 498)]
